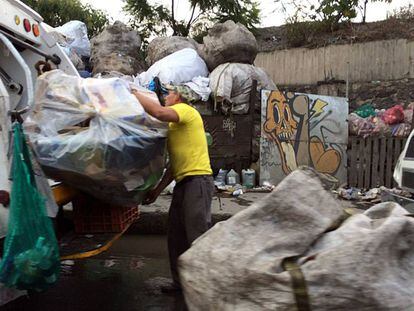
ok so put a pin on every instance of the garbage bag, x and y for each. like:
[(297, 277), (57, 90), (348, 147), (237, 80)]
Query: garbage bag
[(231, 85), (394, 115), (359, 126), (161, 47), (94, 135), (176, 68), (228, 42), (286, 252), (365, 111), (117, 48), (77, 34), (31, 255)]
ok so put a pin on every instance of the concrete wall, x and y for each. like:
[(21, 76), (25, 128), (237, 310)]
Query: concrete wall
[(377, 60)]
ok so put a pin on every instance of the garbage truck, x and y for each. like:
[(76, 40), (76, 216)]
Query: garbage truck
[(26, 47)]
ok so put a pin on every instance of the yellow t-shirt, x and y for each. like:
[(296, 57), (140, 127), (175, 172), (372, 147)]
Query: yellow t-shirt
[(187, 144)]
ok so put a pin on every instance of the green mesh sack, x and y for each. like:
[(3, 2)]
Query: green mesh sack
[(30, 256)]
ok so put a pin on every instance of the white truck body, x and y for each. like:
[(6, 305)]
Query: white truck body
[(21, 47), (404, 169)]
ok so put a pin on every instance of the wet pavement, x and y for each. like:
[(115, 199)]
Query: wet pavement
[(127, 277)]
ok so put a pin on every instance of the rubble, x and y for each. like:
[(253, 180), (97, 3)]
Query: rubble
[(117, 49)]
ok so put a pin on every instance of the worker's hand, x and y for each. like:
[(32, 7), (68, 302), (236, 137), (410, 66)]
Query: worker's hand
[(150, 197)]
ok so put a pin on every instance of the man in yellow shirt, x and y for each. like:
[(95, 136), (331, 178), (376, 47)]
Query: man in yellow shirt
[(190, 210)]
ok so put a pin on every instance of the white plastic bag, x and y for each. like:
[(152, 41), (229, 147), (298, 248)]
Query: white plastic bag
[(200, 85), (177, 68), (77, 35)]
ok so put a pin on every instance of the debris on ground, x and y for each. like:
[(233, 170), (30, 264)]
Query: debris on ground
[(371, 195), (291, 250)]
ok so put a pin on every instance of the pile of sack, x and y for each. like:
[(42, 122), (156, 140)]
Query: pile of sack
[(228, 52), (303, 252), (94, 135), (367, 121)]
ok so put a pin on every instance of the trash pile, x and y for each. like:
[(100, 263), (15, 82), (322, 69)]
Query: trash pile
[(303, 251), (372, 195), (117, 48), (73, 38), (95, 136), (228, 52), (395, 121)]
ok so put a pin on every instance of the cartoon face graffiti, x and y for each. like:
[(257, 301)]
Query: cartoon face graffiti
[(281, 126), (288, 118), (280, 123)]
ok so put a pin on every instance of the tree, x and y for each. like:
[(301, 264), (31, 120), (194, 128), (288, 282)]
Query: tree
[(157, 19), (58, 12), (363, 8), (331, 12)]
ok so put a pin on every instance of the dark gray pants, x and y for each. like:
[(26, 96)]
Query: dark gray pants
[(189, 216)]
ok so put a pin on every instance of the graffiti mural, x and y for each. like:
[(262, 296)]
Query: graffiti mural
[(302, 129)]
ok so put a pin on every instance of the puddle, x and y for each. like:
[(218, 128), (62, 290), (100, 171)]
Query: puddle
[(127, 277)]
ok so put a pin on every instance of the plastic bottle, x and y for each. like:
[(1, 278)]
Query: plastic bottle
[(221, 177), (232, 178), (249, 178)]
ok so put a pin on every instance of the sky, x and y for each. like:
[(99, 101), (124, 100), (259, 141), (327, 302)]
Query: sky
[(272, 14)]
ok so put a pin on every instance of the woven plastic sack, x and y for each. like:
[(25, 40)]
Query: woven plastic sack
[(31, 255), (94, 135)]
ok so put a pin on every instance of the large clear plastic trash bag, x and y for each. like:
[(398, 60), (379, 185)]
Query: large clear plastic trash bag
[(94, 134)]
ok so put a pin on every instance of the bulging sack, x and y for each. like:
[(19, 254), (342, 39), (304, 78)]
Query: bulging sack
[(290, 251), (93, 134)]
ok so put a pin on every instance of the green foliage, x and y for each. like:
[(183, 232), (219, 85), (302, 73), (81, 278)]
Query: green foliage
[(335, 11), (330, 12), (155, 19), (58, 12), (301, 33), (404, 13)]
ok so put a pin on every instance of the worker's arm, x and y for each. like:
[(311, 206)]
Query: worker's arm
[(152, 107), (153, 194)]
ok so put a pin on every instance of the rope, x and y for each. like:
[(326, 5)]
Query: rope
[(96, 251)]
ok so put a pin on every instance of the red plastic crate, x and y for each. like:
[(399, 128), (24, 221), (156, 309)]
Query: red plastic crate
[(93, 216)]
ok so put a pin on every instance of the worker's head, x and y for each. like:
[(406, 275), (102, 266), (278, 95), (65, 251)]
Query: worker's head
[(178, 94)]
